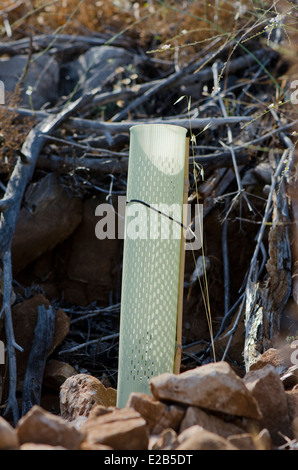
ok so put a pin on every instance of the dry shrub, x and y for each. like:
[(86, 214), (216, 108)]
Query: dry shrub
[(151, 22), (13, 132)]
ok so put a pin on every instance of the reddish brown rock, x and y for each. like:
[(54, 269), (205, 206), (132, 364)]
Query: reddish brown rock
[(278, 358), (263, 440), (294, 426), (290, 377), (213, 386), (158, 415), (90, 446), (54, 215), (197, 438), (196, 416), (267, 389), (247, 441), (123, 429), (41, 427), (99, 410), (8, 436), (243, 441), (91, 262), (56, 372), (166, 440), (33, 446), (80, 393), (292, 400)]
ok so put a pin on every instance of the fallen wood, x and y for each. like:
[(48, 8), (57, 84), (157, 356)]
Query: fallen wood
[(43, 340), (265, 302), (15, 189)]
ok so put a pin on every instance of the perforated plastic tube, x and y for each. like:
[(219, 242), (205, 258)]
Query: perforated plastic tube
[(152, 256)]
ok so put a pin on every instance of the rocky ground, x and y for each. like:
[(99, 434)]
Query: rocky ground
[(206, 408)]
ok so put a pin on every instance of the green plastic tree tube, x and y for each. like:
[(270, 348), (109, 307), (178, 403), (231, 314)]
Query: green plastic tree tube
[(152, 256)]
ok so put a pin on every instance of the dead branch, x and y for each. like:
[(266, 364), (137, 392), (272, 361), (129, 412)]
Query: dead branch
[(186, 76), (43, 340), (15, 189), (96, 166), (12, 404)]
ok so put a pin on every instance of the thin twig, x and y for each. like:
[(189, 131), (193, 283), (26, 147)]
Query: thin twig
[(225, 257), (89, 343), (230, 144)]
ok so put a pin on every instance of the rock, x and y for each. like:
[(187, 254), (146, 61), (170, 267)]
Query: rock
[(33, 446), (88, 446), (49, 216), (123, 429), (243, 441), (8, 436), (99, 410), (166, 440), (264, 172), (295, 428), (278, 358), (158, 416), (91, 272), (213, 386), (41, 81), (263, 440), (197, 438), (79, 422), (196, 416), (94, 68), (292, 401), (290, 377), (80, 393), (247, 441), (56, 372), (267, 389), (41, 427)]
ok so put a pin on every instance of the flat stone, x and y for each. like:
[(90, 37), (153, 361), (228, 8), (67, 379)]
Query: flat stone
[(41, 427), (34, 446), (267, 389), (80, 393), (263, 440), (50, 216), (91, 446), (197, 438), (166, 440), (8, 436), (213, 386), (292, 401), (42, 78), (290, 377), (93, 68), (196, 416), (123, 429), (158, 415), (243, 441), (280, 359), (99, 410), (91, 262), (56, 372)]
